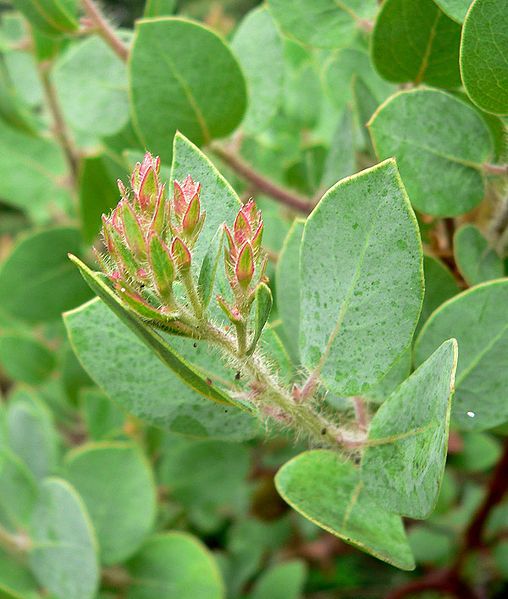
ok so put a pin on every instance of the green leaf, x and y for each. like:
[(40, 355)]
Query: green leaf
[(288, 287), (16, 581), (343, 67), (475, 258), (63, 556), (116, 483), (416, 41), (340, 161), (263, 302), (483, 51), (32, 174), (159, 8), (480, 453), (429, 131), (477, 318), (176, 564), (440, 285), (404, 464), (183, 76), (13, 109), (208, 478), (30, 432), (91, 84), (104, 419), (398, 373), (322, 23), (151, 339), (361, 279), (211, 261), (455, 9), (130, 373), (25, 359), (282, 581), (365, 105), (18, 493), (53, 17), (37, 281), (330, 493), (259, 49)]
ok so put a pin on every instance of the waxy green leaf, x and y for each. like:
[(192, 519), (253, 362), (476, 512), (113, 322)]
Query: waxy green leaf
[(341, 70), (177, 565), (63, 555), (30, 432), (440, 144), (258, 45), (361, 280), (37, 281), (40, 187), (440, 285), (475, 258), (483, 52), (478, 319), (183, 76), (403, 463), (330, 493), (25, 359), (91, 83), (322, 23), (133, 376), (416, 41), (18, 493), (288, 287), (455, 9), (281, 581), (98, 192), (116, 483), (168, 356), (52, 17)]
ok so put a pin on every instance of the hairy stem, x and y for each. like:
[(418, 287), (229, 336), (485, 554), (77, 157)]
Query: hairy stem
[(495, 169), (193, 295), (269, 392), (261, 183), (105, 30)]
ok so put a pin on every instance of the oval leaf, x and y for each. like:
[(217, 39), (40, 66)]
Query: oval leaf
[(117, 486), (483, 52), (478, 319), (63, 555), (177, 565), (183, 76), (404, 464), (361, 280), (330, 493), (416, 41), (440, 144)]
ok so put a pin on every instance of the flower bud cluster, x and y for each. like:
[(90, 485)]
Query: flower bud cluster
[(149, 239), (243, 256)]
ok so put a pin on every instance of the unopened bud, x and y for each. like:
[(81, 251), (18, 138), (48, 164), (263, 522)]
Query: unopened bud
[(244, 268), (162, 267), (181, 255)]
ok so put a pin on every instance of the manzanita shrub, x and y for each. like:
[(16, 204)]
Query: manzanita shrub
[(278, 242)]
